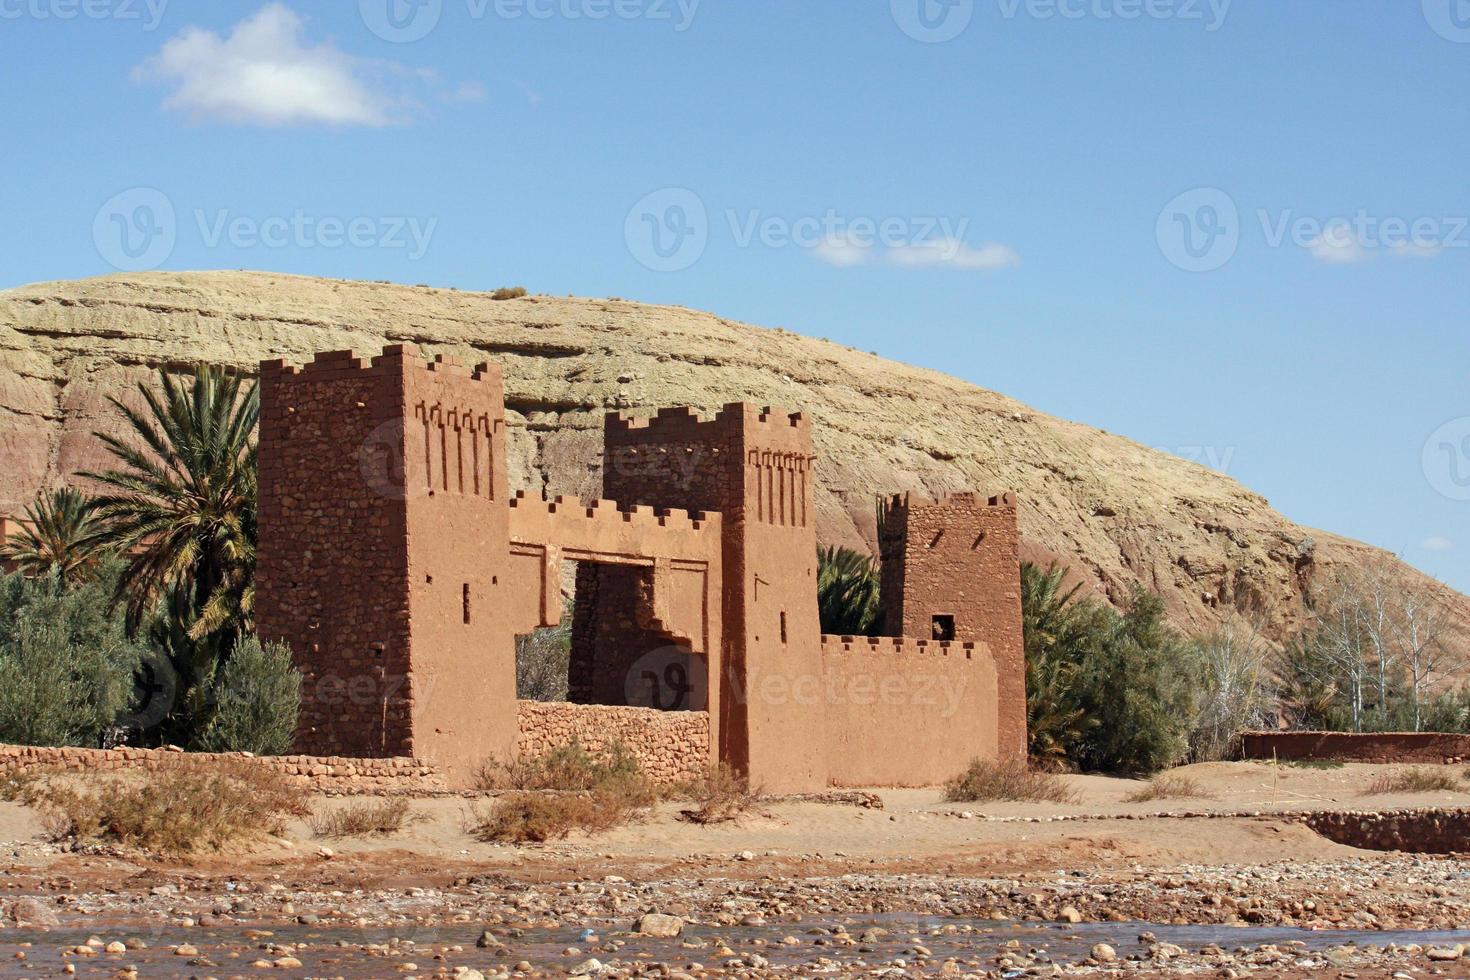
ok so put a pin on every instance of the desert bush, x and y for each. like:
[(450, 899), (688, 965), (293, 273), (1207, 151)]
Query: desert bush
[(66, 663), (542, 661), (362, 818), (257, 698), (1167, 787), (722, 796), (566, 789), (1417, 780), (985, 782), (847, 592), (534, 818), (174, 811), (508, 292)]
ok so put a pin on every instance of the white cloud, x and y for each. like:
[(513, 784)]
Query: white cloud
[(1437, 543), (1410, 250), (842, 251), (1338, 245), (953, 253), (267, 73)]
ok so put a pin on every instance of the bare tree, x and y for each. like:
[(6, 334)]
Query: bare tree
[(1234, 661), (1419, 627)]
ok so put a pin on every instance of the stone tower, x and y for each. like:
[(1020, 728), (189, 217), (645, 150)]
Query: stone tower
[(755, 467), (384, 542), (952, 571)]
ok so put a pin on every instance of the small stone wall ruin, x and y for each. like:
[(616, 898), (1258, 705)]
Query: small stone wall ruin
[(670, 746), (1413, 831), (1380, 747)]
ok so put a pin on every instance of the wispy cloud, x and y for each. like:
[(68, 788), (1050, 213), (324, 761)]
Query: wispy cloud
[(1437, 543), (953, 253), (944, 253), (266, 72), (1338, 245)]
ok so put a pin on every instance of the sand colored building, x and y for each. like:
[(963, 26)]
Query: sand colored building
[(400, 569)]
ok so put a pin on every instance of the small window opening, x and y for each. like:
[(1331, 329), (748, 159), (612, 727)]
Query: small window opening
[(467, 603), (943, 628), (783, 626)]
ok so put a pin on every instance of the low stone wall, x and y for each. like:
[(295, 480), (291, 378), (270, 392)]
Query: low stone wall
[(670, 746), (1416, 831), (1430, 747), (317, 773)]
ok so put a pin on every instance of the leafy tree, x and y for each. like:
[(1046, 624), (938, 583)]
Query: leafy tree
[(847, 592), (257, 699), (182, 505), (1059, 630), (66, 662), (58, 533), (1139, 686)]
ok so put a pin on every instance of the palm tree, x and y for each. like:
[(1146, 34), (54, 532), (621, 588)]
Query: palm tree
[(847, 592), (58, 534), (1058, 629), (182, 505)]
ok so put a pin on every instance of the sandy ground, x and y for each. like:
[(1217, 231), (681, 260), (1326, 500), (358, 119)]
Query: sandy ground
[(1235, 859)]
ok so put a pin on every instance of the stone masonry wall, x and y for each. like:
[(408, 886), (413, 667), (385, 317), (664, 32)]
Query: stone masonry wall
[(670, 746), (1414, 831), (317, 773)]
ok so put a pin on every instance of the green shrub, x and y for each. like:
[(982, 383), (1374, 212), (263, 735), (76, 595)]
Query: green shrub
[(257, 699), (66, 663), (543, 659)]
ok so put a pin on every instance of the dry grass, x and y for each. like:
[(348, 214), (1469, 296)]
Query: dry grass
[(721, 797), (1167, 787), (986, 782), (564, 790), (508, 292), (363, 818), (168, 812), (1417, 780)]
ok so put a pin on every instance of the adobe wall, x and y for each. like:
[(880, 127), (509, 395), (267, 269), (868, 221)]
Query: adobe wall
[(959, 556), (670, 746), (906, 712), (1421, 747), (315, 773)]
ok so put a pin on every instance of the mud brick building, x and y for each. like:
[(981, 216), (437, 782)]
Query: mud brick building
[(400, 569)]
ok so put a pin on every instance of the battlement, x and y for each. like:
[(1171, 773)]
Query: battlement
[(610, 511), (684, 423), (960, 500), (332, 365), (902, 647)]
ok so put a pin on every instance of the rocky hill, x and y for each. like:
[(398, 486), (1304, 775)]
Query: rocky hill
[(1116, 511)]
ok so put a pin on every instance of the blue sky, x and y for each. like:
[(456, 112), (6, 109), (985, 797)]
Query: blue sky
[(1238, 231)]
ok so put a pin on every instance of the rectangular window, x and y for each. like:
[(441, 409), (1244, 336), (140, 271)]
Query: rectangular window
[(467, 603), (783, 626), (943, 628)]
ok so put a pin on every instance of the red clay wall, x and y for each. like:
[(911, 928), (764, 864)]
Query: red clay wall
[(670, 746), (906, 712), (959, 556), (317, 773), (1424, 747)]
